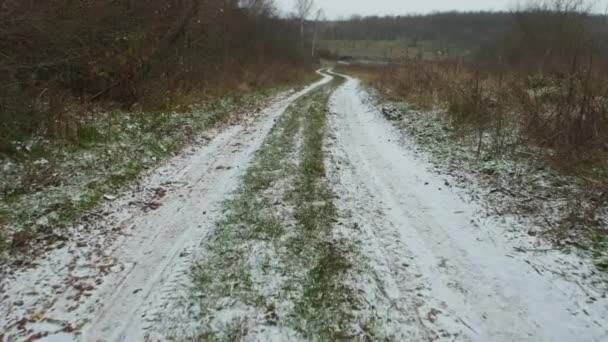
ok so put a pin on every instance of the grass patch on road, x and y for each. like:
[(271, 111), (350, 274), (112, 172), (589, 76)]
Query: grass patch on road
[(274, 265)]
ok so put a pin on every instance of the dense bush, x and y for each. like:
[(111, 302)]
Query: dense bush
[(58, 56)]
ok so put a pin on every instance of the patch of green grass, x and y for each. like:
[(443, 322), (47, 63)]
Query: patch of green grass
[(85, 136), (327, 303), (4, 217), (71, 209), (600, 252), (235, 332), (124, 173)]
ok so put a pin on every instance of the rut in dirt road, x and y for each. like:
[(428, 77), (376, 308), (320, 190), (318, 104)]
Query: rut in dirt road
[(209, 179), (115, 282), (433, 253)]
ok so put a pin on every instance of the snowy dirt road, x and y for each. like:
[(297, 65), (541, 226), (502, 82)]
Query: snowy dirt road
[(419, 261), (457, 273)]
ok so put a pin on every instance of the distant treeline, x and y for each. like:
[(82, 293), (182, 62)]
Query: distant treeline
[(449, 26), (469, 30)]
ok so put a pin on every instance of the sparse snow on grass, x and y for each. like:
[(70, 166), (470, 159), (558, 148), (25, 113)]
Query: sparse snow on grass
[(314, 219), (446, 268), (519, 185), (48, 184), (118, 272), (275, 268)]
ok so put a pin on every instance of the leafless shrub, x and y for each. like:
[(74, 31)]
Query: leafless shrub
[(56, 56)]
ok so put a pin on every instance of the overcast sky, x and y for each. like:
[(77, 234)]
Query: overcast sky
[(345, 8)]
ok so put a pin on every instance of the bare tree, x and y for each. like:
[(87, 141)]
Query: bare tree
[(303, 8), (259, 7), (320, 16)]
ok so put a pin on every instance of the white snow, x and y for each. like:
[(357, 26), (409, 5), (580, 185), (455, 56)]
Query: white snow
[(117, 279), (439, 268), (459, 272)]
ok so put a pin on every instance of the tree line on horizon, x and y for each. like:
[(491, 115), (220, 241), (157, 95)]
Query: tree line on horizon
[(476, 31)]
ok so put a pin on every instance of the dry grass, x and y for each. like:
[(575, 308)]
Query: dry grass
[(233, 79), (567, 117), (57, 115), (556, 129)]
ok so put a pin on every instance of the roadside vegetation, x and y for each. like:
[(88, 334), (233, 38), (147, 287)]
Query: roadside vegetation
[(528, 114), (275, 258), (48, 183), (437, 36), (92, 93)]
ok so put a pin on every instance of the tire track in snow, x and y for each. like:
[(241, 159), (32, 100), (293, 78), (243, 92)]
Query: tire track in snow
[(115, 281), (468, 284), (392, 283)]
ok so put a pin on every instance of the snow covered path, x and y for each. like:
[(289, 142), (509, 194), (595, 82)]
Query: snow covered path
[(431, 268), (179, 226), (114, 283), (458, 274)]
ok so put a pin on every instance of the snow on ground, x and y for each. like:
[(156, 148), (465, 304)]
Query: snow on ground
[(123, 267), (433, 266), (457, 274)]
